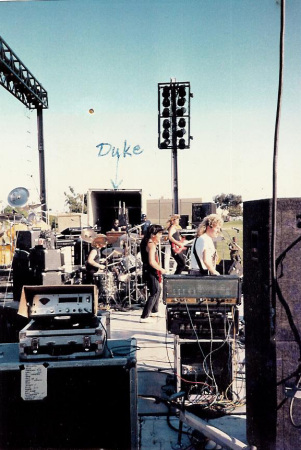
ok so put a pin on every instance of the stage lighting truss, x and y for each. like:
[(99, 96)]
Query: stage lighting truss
[(19, 81), (174, 115)]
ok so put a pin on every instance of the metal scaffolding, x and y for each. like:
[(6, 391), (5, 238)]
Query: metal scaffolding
[(19, 81)]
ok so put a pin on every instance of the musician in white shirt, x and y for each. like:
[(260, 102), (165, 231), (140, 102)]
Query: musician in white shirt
[(203, 251)]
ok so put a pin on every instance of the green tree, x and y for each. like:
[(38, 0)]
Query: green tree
[(77, 203), (9, 210), (219, 199), (232, 202)]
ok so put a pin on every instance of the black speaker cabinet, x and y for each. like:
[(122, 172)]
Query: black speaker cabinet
[(272, 324), (70, 404), (184, 220), (27, 239), (201, 210), (21, 272), (45, 259)]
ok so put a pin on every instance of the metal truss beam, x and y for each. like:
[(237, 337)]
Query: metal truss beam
[(19, 81)]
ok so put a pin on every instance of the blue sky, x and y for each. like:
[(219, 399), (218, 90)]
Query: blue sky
[(110, 55)]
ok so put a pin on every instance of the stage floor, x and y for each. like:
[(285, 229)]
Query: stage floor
[(155, 356)]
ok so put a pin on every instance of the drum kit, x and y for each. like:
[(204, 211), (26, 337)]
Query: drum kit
[(120, 281)]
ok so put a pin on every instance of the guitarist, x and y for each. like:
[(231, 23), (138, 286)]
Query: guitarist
[(177, 246), (203, 252), (152, 271)]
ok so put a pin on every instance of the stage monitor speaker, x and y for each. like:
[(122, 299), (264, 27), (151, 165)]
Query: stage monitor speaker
[(272, 325), (201, 210)]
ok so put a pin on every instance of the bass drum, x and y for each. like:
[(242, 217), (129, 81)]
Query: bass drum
[(106, 285)]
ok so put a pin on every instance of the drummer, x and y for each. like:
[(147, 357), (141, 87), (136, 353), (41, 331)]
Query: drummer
[(94, 261)]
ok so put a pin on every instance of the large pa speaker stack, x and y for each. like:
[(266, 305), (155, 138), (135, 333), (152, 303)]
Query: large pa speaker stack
[(272, 324)]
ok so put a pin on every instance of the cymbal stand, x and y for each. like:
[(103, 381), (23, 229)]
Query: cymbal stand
[(127, 252), (135, 244)]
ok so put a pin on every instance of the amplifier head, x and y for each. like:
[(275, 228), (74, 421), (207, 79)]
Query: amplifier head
[(192, 286), (65, 300)]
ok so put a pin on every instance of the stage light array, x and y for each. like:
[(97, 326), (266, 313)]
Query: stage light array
[(174, 115)]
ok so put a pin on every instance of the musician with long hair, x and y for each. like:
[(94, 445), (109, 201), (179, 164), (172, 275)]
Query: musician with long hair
[(177, 246), (203, 251), (152, 271)]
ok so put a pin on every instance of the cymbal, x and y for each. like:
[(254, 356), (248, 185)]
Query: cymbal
[(88, 235), (15, 217), (32, 206), (115, 251)]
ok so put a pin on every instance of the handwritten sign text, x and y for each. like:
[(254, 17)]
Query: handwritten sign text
[(106, 149)]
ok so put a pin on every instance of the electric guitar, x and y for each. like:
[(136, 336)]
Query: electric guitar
[(177, 249), (159, 274)]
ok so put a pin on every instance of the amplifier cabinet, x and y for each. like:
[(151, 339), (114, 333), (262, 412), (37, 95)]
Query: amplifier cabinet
[(193, 321), (201, 363), (70, 404), (50, 278), (45, 259)]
